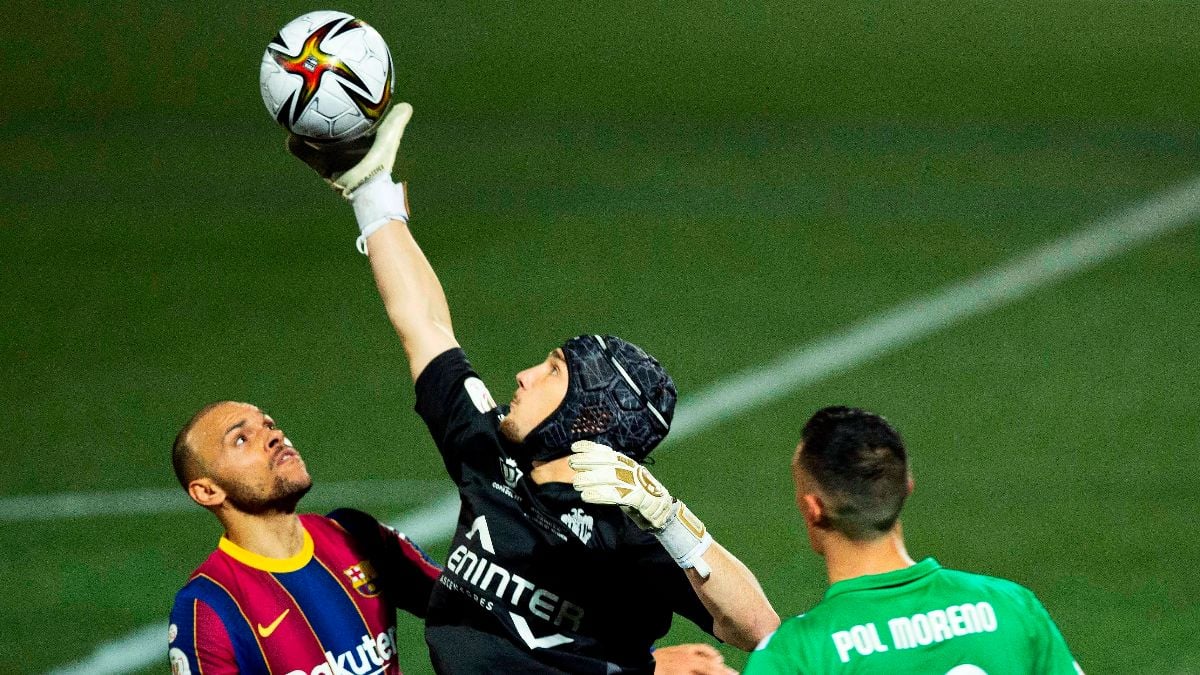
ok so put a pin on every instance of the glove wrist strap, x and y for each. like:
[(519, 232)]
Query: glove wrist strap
[(376, 203), (686, 539)]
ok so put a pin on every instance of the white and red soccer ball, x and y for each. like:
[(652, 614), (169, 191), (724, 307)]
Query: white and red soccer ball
[(327, 76)]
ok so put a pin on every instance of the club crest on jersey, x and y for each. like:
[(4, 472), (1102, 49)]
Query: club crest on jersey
[(363, 576), (512, 473), (580, 523)]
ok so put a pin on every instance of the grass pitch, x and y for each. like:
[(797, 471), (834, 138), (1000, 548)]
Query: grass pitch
[(719, 184)]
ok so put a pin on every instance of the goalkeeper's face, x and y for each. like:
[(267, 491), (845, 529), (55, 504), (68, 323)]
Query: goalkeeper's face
[(540, 391), (250, 460)]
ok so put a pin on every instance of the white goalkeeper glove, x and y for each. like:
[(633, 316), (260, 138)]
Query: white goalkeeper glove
[(361, 170), (604, 476)]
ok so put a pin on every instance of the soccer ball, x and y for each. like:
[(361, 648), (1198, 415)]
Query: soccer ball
[(326, 76)]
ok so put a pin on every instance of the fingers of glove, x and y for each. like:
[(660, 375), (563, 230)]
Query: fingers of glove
[(599, 476), (601, 494), (591, 449), (600, 457), (396, 119), (589, 454), (590, 461), (584, 446)]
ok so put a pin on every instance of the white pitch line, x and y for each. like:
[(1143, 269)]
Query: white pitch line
[(433, 522), (916, 319), (141, 648), (862, 342), (149, 501)]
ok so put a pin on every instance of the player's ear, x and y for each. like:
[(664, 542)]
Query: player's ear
[(206, 493), (911, 484), (813, 509)]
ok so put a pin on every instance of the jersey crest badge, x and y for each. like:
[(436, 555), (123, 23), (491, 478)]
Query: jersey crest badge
[(580, 523), (363, 576), (512, 473)]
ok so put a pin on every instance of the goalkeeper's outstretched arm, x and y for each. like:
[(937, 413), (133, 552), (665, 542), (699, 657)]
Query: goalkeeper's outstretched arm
[(742, 615), (412, 295)]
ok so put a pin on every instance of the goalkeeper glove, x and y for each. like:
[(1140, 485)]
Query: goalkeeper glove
[(604, 476), (361, 170)]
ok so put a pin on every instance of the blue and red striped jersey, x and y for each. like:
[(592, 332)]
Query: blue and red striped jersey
[(331, 608)]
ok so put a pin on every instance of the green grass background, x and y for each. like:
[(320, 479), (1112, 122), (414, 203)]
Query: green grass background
[(719, 182)]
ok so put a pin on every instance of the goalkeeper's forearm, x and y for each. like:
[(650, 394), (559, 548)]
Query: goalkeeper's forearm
[(742, 615), (412, 294)]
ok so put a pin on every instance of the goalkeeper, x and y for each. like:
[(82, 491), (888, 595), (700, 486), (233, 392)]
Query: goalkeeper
[(537, 579)]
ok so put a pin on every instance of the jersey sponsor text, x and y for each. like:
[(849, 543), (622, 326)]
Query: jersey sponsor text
[(481, 572), (368, 658)]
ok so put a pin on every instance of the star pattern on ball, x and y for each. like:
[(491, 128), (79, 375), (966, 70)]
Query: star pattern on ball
[(312, 63)]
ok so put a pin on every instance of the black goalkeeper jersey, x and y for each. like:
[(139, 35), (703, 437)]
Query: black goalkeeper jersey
[(537, 580)]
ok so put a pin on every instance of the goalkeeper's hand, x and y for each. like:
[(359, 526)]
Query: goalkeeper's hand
[(347, 166), (604, 476), (361, 170)]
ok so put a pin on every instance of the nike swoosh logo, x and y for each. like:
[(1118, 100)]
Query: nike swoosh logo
[(266, 632)]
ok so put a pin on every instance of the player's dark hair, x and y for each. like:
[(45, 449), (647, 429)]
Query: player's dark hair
[(183, 456), (859, 461)]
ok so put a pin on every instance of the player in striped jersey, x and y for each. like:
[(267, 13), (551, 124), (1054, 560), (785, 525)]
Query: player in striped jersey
[(291, 593)]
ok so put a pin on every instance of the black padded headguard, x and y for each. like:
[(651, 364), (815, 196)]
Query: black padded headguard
[(617, 395)]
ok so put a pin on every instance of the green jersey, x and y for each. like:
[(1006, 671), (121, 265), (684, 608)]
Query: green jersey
[(921, 619)]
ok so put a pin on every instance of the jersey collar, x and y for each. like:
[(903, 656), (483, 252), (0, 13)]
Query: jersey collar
[(262, 562), (886, 580)]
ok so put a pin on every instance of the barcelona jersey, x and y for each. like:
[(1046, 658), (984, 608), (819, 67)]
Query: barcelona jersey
[(328, 609)]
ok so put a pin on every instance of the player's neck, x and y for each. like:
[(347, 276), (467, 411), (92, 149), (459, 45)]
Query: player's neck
[(554, 471), (847, 559), (276, 535)]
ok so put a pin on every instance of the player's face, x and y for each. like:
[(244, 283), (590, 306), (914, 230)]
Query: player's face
[(540, 390), (250, 459)]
